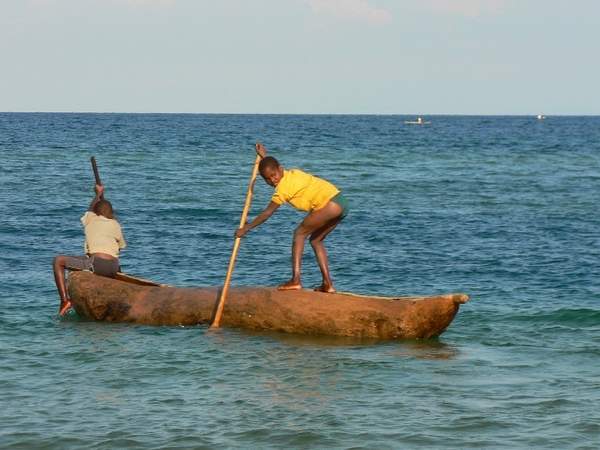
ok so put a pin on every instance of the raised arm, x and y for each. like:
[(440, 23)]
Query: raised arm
[(261, 150), (262, 217), (99, 189)]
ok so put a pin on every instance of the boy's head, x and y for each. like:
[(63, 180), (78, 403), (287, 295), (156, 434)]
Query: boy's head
[(104, 208), (270, 170)]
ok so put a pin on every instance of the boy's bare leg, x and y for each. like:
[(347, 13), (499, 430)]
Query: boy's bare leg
[(312, 222), (294, 283), (59, 279), (297, 249), (316, 240)]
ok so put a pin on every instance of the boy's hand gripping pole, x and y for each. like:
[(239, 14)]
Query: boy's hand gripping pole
[(236, 245)]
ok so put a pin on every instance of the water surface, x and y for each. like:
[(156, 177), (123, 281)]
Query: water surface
[(502, 208)]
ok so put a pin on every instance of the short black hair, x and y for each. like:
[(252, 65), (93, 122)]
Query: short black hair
[(268, 161), (104, 208)]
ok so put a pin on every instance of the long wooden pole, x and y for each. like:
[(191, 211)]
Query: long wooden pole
[(236, 245), (95, 169)]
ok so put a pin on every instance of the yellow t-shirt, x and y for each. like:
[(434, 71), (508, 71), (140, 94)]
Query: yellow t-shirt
[(102, 235), (303, 190)]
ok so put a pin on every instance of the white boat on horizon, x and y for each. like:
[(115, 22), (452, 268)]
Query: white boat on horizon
[(419, 121)]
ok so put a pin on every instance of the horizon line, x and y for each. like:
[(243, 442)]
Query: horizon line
[(308, 113)]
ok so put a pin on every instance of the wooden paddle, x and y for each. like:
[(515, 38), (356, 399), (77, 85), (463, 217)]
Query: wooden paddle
[(95, 168), (236, 245)]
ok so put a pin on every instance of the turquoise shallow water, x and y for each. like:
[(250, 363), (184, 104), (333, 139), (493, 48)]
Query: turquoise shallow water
[(502, 208)]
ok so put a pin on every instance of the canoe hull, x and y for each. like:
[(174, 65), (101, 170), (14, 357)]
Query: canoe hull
[(262, 308)]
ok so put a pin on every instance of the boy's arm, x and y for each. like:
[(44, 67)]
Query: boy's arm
[(99, 196), (262, 217), (261, 150)]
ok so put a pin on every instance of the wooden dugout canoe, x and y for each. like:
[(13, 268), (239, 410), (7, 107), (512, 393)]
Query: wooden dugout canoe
[(263, 308)]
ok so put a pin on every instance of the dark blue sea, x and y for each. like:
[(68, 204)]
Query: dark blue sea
[(504, 209)]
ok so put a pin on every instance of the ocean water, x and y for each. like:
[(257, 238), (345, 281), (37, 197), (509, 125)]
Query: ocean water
[(502, 208)]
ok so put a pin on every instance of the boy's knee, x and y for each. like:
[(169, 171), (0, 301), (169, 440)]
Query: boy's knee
[(59, 261), (300, 232)]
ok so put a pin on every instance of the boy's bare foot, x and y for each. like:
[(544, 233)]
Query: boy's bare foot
[(64, 307), (291, 285), (325, 288)]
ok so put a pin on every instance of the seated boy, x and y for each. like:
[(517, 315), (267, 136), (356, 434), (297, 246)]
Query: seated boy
[(103, 240), (326, 208)]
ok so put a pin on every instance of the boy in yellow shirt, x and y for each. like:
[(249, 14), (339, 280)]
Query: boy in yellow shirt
[(103, 240), (325, 204)]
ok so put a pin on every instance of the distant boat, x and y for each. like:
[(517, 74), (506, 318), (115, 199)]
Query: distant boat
[(419, 121), (541, 117)]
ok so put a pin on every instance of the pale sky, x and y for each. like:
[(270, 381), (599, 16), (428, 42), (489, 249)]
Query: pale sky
[(301, 56)]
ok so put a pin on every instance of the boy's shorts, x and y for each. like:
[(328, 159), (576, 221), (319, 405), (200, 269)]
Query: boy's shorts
[(341, 200), (100, 266)]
